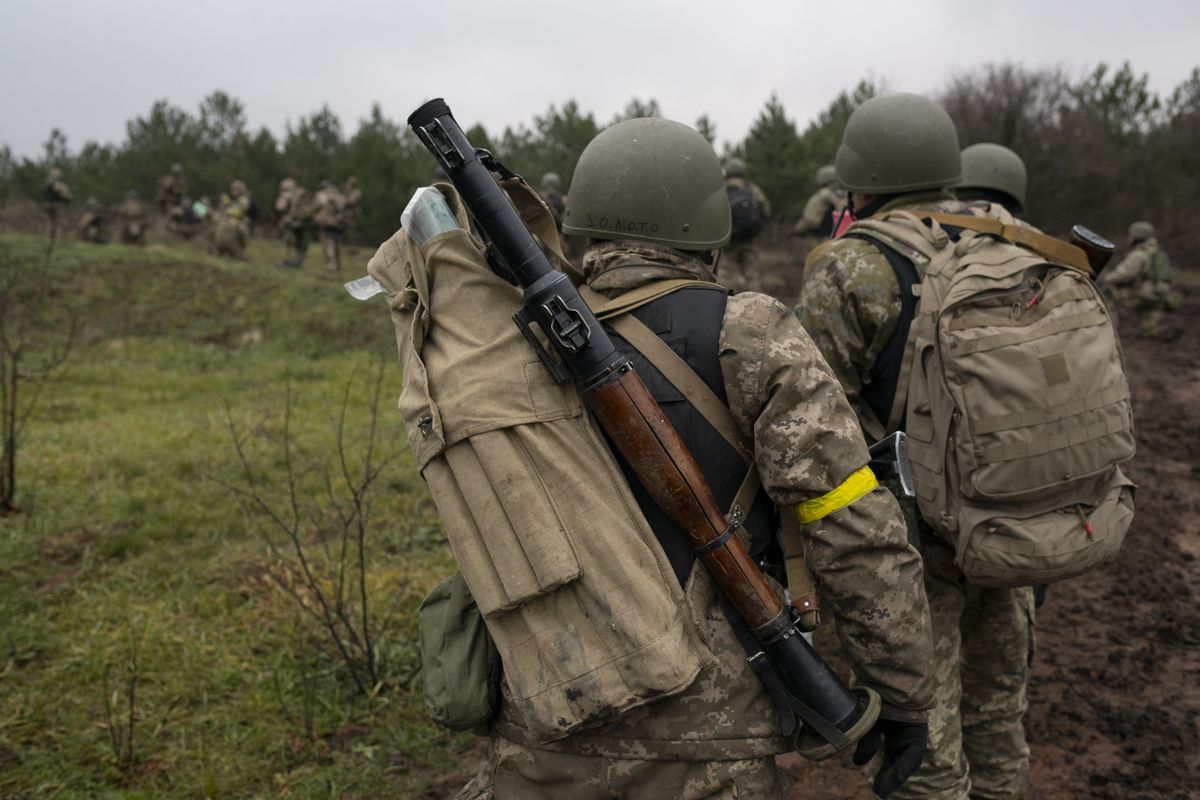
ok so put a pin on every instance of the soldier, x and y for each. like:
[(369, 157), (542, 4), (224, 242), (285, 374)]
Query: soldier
[(133, 219), (750, 210), (900, 151), (1142, 279), (817, 221), (329, 213), (552, 195), (171, 189), (719, 736), (230, 231), (93, 225), (992, 175), (294, 207), (352, 195), (55, 196)]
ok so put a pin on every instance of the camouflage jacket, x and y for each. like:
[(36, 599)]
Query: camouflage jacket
[(818, 209), (132, 210), (1135, 268), (329, 208), (171, 189), (851, 302), (807, 443)]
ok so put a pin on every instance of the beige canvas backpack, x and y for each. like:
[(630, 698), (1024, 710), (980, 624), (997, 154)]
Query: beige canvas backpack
[(576, 591), (1014, 398)]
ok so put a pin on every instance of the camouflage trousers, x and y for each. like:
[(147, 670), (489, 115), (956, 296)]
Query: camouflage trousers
[(509, 771), (983, 646), (331, 248), (295, 243), (739, 268)]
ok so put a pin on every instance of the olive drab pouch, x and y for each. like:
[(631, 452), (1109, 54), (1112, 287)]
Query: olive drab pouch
[(1013, 394), (460, 667), (575, 590)]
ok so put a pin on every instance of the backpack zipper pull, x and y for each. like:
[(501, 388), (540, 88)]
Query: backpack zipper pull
[(1087, 526)]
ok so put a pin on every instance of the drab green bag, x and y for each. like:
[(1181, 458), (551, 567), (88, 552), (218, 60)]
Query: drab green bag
[(460, 666)]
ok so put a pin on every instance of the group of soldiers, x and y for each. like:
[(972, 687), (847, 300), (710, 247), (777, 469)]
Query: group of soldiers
[(990, 173), (226, 225), (950, 659)]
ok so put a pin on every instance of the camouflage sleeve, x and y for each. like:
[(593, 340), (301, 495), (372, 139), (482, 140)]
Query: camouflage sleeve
[(849, 307), (814, 214), (760, 197), (1128, 271), (807, 443)]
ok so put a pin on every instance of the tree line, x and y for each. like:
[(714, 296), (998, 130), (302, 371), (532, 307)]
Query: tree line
[(1102, 149)]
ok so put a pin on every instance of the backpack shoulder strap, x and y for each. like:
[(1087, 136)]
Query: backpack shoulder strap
[(1045, 246), (636, 298)]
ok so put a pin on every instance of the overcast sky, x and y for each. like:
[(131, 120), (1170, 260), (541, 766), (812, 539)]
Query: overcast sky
[(88, 67)]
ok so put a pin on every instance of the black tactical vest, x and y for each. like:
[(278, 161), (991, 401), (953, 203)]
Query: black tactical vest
[(689, 321)]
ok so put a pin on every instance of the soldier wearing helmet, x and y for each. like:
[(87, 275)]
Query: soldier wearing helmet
[(56, 194), (750, 209), (993, 175), (1142, 279), (817, 221), (293, 205), (171, 189), (133, 219), (649, 196), (329, 214), (93, 225), (900, 152)]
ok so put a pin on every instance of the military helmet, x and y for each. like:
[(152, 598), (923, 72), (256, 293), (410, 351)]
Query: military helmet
[(735, 168), (653, 180), (176, 168), (551, 181), (325, 184), (826, 175), (55, 174), (1141, 230), (92, 202), (237, 188), (132, 194), (994, 166), (898, 143), (287, 184)]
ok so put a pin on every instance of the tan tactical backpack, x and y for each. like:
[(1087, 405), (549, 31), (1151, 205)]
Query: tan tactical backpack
[(574, 588), (1014, 398)]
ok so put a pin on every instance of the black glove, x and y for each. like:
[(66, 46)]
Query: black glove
[(903, 751)]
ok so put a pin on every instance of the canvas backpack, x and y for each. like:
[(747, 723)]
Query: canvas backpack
[(1013, 393), (746, 217)]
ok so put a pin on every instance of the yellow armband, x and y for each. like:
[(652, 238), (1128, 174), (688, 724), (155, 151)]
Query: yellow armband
[(858, 485)]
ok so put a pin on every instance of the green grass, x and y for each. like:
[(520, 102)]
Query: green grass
[(127, 538)]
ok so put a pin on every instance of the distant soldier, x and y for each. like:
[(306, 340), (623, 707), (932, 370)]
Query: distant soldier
[(133, 219), (55, 196), (183, 220), (230, 231), (93, 225), (1143, 279), (750, 209), (992, 175), (294, 207), (171, 190), (329, 213), (353, 196), (817, 221)]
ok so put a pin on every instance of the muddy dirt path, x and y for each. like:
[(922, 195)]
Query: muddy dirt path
[(1114, 700)]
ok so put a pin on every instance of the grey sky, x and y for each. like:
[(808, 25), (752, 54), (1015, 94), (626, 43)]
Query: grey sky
[(88, 67)]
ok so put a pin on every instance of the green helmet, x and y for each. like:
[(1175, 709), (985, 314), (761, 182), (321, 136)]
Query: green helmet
[(995, 167), (898, 143), (1141, 230), (653, 180), (735, 168), (826, 175), (551, 181), (176, 169)]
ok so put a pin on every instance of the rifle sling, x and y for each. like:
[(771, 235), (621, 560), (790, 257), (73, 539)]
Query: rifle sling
[(1048, 247)]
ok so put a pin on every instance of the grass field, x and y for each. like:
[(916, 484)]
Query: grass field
[(133, 565)]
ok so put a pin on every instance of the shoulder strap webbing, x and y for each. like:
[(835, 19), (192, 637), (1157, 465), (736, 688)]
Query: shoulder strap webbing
[(1048, 247), (647, 293)]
